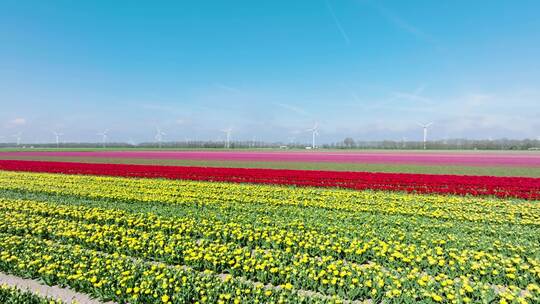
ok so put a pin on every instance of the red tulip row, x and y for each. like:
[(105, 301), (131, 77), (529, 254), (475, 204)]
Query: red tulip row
[(519, 187)]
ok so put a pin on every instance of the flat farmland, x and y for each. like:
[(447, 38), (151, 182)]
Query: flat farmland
[(97, 226)]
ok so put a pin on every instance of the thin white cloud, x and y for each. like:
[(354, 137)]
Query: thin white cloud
[(415, 96), (157, 107), (355, 96), (228, 88), (293, 108), (477, 100), (403, 25), (18, 122), (415, 101), (337, 23), (15, 123), (484, 122), (182, 121)]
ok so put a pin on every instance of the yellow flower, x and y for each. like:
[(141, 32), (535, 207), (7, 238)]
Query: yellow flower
[(437, 298)]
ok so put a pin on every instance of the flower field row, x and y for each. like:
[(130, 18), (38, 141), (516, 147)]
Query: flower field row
[(387, 157), (203, 193), (11, 295), (518, 187), (121, 278), (257, 261), (156, 240)]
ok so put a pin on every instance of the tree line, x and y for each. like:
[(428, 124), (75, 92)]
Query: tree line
[(347, 143)]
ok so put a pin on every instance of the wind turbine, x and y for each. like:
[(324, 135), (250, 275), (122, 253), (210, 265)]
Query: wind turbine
[(103, 137), (57, 135), (18, 137), (425, 127), (314, 132), (159, 136), (228, 132)]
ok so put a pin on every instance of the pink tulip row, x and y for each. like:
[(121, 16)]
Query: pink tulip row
[(428, 158)]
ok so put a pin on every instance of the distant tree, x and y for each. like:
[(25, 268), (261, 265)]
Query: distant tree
[(349, 142)]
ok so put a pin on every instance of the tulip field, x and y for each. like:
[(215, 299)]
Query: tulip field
[(164, 234)]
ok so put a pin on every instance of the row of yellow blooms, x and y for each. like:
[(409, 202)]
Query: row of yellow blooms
[(192, 192), (13, 295)]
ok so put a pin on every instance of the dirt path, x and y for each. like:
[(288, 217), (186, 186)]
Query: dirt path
[(59, 293)]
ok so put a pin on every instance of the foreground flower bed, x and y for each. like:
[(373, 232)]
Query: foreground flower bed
[(138, 240), (518, 187), (11, 295)]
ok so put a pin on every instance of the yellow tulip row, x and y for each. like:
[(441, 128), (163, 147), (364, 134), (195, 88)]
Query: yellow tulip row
[(265, 265), (124, 279), (195, 192), (13, 295), (260, 264), (359, 250)]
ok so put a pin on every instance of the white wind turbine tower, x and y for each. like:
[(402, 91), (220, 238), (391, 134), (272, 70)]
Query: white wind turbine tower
[(57, 135), (18, 138), (314, 132), (425, 127), (159, 136), (103, 137), (227, 132)]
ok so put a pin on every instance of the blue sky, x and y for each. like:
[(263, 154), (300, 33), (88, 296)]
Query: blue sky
[(269, 69)]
